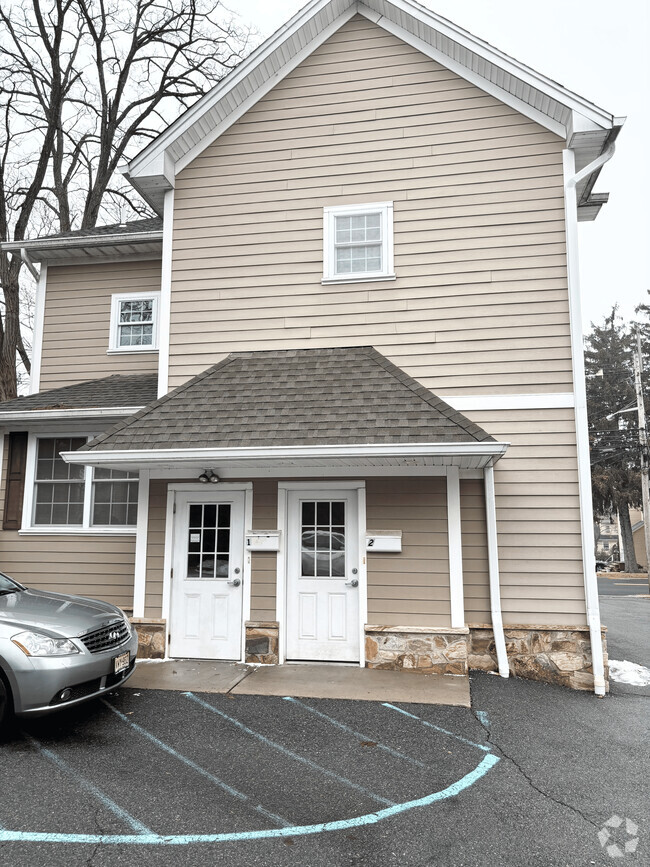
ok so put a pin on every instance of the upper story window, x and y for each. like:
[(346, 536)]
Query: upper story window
[(358, 243), (73, 497), (134, 322)]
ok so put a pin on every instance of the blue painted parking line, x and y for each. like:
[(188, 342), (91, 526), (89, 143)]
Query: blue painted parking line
[(391, 752), (289, 753), (293, 831), (89, 787), (436, 728), (278, 820)]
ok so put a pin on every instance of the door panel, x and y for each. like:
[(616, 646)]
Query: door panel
[(322, 567), (206, 598)]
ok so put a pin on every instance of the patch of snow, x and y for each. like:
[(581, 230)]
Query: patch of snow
[(629, 672)]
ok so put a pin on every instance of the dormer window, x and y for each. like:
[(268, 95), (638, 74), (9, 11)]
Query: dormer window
[(134, 322), (358, 243)]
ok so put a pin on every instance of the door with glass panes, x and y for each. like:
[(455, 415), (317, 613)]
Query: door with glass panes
[(323, 576), (207, 582)]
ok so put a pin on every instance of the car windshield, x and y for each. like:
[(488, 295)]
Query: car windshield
[(8, 586)]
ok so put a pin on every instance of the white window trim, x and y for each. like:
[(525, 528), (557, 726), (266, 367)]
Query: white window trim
[(86, 528), (385, 209), (113, 346)]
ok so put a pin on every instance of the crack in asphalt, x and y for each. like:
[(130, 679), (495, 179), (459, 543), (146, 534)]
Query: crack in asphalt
[(527, 777), (91, 857)]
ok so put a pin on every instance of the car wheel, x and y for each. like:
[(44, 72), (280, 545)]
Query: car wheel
[(6, 706)]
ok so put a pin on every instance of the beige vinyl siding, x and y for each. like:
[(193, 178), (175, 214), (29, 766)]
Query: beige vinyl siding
[(77, 321), (155, 548), (93, 564), (538, 517), (410, 588), (264, 563), (480, 301), (476, 576)]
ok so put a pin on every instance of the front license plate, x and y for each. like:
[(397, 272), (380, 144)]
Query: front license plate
[(120, 662)]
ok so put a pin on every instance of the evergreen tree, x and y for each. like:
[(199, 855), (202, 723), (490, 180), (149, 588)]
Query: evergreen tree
[(614, 442)]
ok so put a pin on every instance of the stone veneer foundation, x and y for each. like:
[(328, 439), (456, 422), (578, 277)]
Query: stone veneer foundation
[(553, 654), (262, 642), (151, 638), (425, 649)]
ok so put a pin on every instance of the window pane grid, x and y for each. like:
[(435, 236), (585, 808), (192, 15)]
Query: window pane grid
[(135, 322), (58, 498), (323, 539), (358, 244), (208, 547)]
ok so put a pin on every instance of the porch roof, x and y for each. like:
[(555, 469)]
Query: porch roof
[(294, 405), (111, 395)]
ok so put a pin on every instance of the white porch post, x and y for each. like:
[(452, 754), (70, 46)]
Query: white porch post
[(493, 561), (140, 578), (455, 548)]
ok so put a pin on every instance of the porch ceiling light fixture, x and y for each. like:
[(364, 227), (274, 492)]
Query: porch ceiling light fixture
[(208, 476)]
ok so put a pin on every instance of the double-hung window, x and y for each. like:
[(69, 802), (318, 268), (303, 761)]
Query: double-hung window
[(358, 242), (134, 322), (67, 496)]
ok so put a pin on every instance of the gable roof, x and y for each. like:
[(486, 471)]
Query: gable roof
[(118, 394), (587, 128), (300, 397)]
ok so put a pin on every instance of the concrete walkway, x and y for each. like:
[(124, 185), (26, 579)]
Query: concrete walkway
[(301, 681)]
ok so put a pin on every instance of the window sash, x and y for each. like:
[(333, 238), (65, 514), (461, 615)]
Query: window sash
[(72, 496)]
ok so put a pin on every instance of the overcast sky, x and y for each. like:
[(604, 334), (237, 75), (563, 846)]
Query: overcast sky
[(598, 49)]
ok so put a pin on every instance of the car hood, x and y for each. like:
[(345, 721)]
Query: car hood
[(69, 616)]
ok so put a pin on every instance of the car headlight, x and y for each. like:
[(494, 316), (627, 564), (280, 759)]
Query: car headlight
[(37, 644)]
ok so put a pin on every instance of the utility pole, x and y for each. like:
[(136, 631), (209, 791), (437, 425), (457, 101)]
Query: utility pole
[(643, 443)]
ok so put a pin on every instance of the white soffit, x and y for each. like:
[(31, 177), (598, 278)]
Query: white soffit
[(558, 109)]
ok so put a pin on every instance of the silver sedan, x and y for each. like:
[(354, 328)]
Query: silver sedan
[(58, 650)]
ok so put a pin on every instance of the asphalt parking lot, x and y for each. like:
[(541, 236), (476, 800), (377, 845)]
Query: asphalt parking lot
[(529, 776)]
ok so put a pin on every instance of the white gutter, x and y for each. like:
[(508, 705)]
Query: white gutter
[(207, 456), (66, 414), (571, 179), (80, 241)]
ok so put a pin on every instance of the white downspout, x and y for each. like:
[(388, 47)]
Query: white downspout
[(571, 179), (493, 563)]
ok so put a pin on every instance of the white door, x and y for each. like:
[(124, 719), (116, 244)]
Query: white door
[(323, 576), (207, 582)]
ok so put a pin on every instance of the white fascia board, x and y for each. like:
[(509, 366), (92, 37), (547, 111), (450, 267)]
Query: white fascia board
[(504, 61), (255, 453), (154, 159), (474, 78), (67, 414), (83, 241), (140, 164)]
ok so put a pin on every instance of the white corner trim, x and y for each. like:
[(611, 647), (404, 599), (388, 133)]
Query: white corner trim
[(493, 567), (168, 561), (247, 570), (37, 338), (281, 573), (142, 527), (582, 434), (165, 294), (363, 573), (546, 400), (455, 542)]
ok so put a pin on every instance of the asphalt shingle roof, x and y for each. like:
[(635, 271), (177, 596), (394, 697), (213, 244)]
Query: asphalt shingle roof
[(150, 224), (112, 391), (294, 397)]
